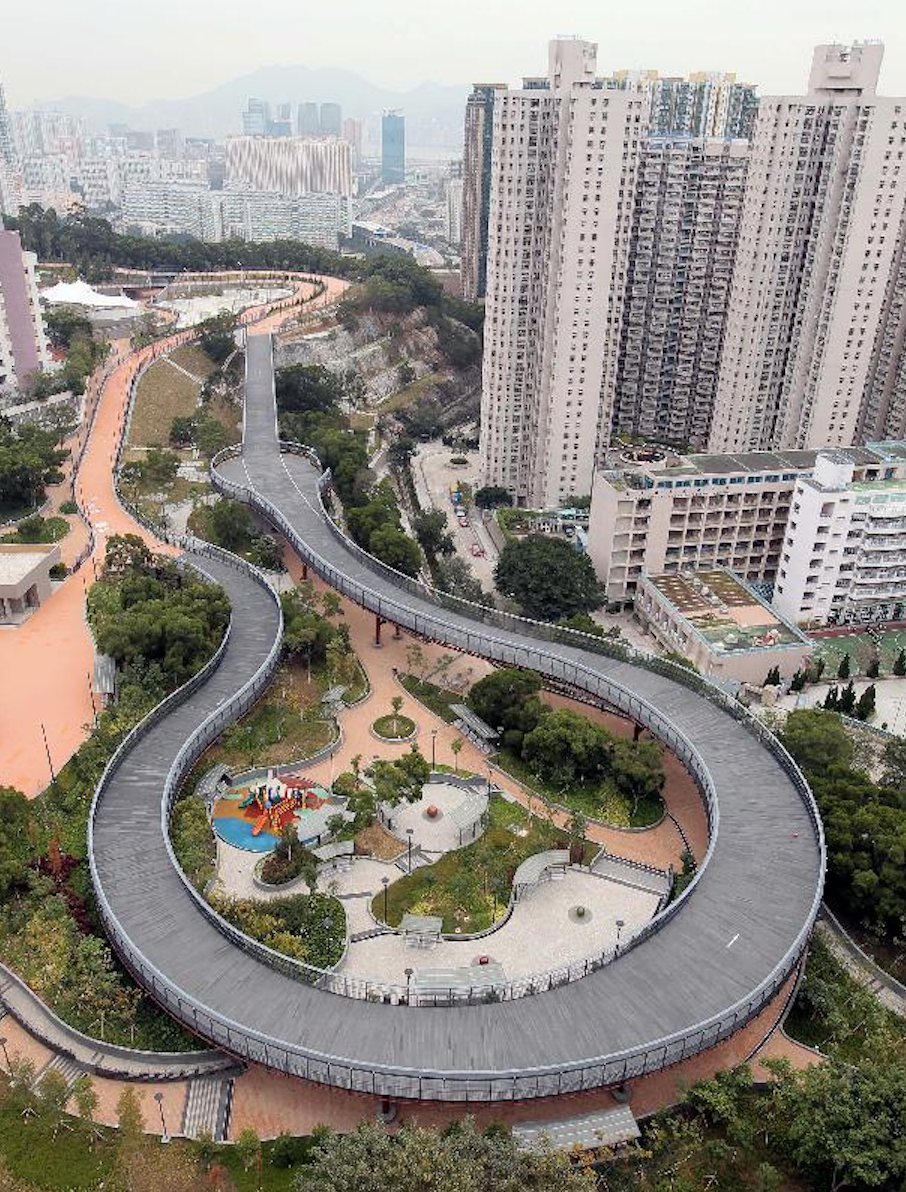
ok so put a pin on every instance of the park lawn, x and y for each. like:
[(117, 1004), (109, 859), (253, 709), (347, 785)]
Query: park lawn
[(356, 690), (53, 530), (601, 800), (282, 727), (194, 359), (461, 886), (163, 394), (438, 700), (228, 414), (394, 728)]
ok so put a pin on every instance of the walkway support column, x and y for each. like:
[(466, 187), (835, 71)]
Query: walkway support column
[(378, 622)]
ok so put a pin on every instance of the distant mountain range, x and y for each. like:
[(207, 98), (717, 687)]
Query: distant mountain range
[(434, 112)]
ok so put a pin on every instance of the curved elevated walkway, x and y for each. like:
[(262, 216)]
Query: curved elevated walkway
[(702, 971)]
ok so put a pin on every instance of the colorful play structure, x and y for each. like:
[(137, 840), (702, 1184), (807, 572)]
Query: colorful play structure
[(252, 814), (277, 802)]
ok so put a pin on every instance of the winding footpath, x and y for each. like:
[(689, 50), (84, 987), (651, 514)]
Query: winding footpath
[(706, 968)]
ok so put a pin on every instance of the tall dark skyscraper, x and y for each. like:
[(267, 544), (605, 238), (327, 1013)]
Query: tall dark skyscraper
[(393, 147), (476, 188), (331, 120)]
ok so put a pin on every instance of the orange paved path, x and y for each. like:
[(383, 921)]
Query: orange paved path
[(46, 663), (265, 1100)]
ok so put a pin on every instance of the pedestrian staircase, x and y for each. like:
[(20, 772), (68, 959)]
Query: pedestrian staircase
[(207, 1108), (419, 859), (370, 934), (68, 1068)]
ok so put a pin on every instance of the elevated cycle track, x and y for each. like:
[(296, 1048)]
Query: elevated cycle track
[(697, 974)]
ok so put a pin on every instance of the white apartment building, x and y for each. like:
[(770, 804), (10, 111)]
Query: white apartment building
[(99, 179), (844, 554), (23, 342), (685, 223), (564, 158), (820, 247), (453, 213), (290, 165), (159, 208)]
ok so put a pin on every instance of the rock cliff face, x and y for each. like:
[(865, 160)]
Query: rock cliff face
[(375, 350)]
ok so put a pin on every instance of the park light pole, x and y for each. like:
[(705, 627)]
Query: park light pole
[(620, 926), (159, 1098), (409, 832), (433, 748), (385, 881)]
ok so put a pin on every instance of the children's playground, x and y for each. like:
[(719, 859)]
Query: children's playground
[(253, 815)]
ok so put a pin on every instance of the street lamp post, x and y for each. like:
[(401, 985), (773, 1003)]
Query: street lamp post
[(385, 882), (433, 748), (159, 1098), (409, 832), (620, 926)]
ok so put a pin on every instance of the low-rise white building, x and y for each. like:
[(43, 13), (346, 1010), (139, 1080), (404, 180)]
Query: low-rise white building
[(721, 625), (25, 581)]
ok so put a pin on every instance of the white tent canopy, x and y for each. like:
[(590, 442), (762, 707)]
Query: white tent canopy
[(79, 293)]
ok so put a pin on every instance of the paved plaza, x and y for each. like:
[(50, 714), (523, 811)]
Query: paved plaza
[(433, 834), (542, 933)]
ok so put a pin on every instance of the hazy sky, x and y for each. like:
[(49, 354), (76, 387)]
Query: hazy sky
[(134, 51)]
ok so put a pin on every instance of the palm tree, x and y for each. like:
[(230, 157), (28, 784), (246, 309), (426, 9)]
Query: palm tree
[(456, 749)]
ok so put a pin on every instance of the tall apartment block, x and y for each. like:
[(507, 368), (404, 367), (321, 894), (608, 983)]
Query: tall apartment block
[(476, 188), (331, 120), (393, 148), (814, 324), (706, 104), (308, 122), (685, 223), (290, 165), (23, 343), (563, 163)]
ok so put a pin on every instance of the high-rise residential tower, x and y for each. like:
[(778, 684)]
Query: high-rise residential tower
[(705, 104), (476, 188), (685, 223), (393, 148), (290, 165), (564, 158), (23, 343), (813, 304)]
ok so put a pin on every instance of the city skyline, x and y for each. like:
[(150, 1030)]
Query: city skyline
[(442, 49)]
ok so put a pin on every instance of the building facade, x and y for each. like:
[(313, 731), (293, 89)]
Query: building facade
[(393, 148), (476, 188), (844, 554), (685, 223), (330, 119), (23, 342), (818, 258), (290, 165), (564, 159), (655, 513), (453, 213), (709, 104)]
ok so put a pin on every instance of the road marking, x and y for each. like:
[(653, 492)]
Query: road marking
[(733, 940)]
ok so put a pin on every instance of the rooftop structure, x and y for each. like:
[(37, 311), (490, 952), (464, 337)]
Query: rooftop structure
[(25, 581), (720, 624)]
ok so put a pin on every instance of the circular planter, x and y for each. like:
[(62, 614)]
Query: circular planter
[(382, 728)]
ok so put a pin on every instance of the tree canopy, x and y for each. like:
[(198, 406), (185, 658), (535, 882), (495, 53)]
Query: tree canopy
[(548, 578), (864, 822), (460, 1158), (30, 459)]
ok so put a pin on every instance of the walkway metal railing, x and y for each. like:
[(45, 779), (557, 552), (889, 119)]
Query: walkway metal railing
[(385, 1080)]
